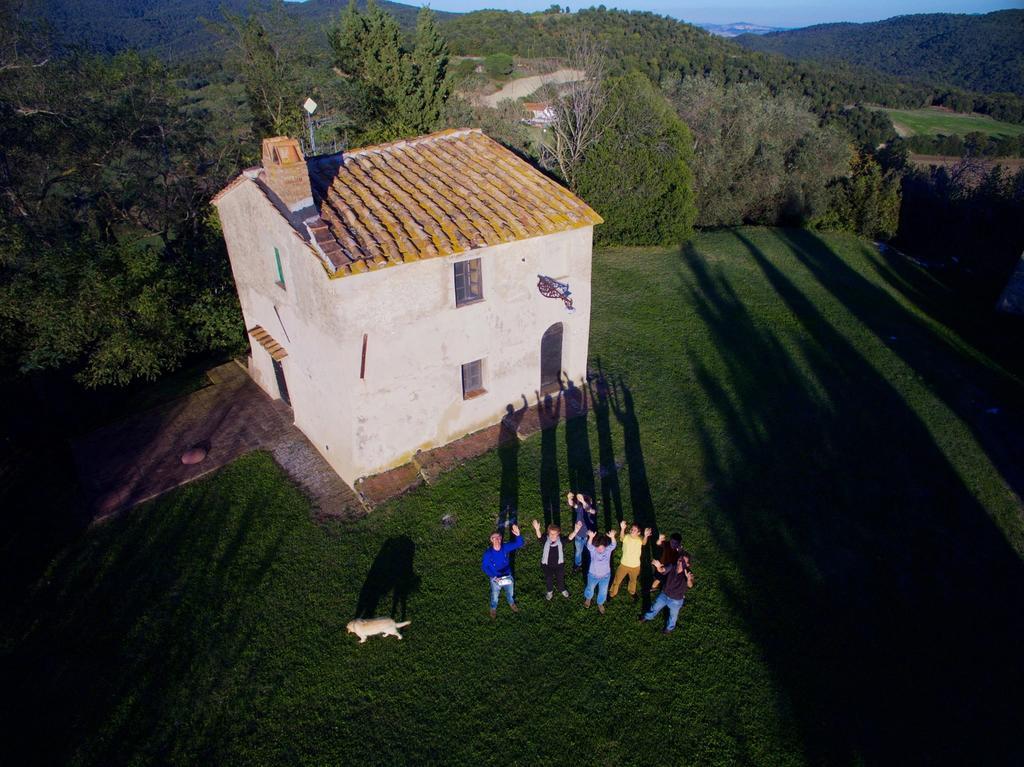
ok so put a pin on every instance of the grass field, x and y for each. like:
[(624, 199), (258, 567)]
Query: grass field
[(933, 122), (783, 400)]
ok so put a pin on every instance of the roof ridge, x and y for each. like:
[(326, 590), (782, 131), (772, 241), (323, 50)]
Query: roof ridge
[(404, 142)]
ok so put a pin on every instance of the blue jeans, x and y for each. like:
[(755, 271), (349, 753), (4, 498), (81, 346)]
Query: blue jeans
[(602, 587), (673, 605), (581, 545), (509, 593)]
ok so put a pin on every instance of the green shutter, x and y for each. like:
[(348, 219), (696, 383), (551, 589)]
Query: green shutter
[(277, 260)]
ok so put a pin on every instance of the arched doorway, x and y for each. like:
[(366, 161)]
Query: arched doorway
[(551, 359)]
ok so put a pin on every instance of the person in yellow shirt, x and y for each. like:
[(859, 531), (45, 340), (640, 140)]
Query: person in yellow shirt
[(632, 545)]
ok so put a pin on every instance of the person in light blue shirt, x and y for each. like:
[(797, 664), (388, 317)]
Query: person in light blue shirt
[(600, 547), (498, 568)]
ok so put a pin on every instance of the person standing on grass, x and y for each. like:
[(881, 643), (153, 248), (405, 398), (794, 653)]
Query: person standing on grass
[(498, 569), (632, 546), (584, 514), (600, 547), (669, 550), (678, 581), (552, 557)]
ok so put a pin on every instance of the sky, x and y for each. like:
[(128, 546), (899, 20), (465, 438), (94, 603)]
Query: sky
[(776, 13)]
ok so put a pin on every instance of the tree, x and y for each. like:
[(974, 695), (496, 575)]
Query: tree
[(111, 267), (637, 173), (268, 69), (758, 158), (866, 202), (580, 110), (430, 87), (499, 65), (407, 88)]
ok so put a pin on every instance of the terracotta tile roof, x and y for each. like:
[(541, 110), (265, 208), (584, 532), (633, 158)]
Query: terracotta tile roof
[(431, 196), (263, 338)]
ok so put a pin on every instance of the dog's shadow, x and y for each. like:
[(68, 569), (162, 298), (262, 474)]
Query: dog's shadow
[(391, 573)]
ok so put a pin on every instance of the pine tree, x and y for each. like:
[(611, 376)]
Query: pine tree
[(430, 88)]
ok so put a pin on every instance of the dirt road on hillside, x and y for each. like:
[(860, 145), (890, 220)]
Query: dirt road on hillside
[(524, 86)]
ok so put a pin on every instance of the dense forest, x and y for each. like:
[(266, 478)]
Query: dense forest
[(982, 53), (113, 268)]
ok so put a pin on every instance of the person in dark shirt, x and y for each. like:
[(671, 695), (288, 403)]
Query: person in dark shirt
[(669, 549), (498, 568), (678, 580), (584, 514), (552, 557)]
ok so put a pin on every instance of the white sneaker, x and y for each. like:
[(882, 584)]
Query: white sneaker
[(565, 594), (548, 597)]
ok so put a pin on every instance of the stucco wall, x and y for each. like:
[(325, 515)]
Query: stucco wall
[(417, 339)]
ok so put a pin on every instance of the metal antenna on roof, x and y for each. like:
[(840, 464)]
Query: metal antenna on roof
[(310, 107)]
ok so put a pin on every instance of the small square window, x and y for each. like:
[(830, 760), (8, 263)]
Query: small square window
[(473, 379), (468, 282)]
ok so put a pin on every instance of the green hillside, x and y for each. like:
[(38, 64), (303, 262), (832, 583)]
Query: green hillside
[(787, 401), (935, 122), (981, 53)]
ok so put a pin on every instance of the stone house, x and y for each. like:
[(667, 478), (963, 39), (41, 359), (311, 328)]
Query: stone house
[(395, 295)]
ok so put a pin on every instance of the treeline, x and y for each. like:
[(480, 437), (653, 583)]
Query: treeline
[(983, 53), (661, 47)]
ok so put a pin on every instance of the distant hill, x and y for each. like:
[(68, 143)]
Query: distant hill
[(738, 28), (174, 28), (981, 53)]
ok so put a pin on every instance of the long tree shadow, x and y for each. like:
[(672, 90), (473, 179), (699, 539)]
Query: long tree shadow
[(927, 353), (391, 574), (885, 600)]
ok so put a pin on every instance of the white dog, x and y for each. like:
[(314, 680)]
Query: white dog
[(368, 627)]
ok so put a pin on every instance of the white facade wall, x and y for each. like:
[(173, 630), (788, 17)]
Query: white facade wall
[(417, 339)]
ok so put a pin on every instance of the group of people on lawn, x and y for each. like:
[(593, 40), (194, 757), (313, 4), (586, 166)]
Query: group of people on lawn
[(672, 564)]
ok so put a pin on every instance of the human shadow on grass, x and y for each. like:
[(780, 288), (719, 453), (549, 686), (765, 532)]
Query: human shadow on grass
[(968, 387), (884, 599), (548, 413), (608, 469), (579, 460), (391, 574), (508, 455)]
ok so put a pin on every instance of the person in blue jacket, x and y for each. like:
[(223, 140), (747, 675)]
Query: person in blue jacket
[(498, 569)]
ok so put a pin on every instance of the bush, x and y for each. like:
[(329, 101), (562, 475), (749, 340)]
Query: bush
[(637, 174), (867, 202), (499, 65)]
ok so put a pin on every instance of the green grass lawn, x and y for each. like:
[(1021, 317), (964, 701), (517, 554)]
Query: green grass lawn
[(933, 122), (780, 398)]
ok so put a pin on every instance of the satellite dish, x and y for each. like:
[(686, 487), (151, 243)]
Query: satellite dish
[(309, 106)]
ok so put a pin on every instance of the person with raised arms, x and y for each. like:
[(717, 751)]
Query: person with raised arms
[(498, 568)]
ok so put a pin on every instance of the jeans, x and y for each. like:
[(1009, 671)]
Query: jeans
[(581, 545), (602, 587), (673, 605), (509, 593)]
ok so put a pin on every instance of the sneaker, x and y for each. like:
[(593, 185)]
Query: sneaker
[(565, 594), (641, 619), (513, 608), (576, 568), (548, 596), (666, 631), (586, 603), (494, 613), (636, 597), (600, 609)]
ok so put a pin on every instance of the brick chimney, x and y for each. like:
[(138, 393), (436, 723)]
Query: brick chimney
[(287, 174)]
